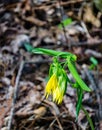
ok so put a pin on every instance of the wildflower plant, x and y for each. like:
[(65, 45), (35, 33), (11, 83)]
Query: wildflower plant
[(57, 83), (58, 78)]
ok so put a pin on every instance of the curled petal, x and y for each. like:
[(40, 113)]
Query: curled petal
[(57, 95), (51, 85)]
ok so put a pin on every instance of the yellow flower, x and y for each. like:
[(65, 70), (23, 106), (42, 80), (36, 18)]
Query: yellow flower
[(51, 85), (58, 95), (56, 87)]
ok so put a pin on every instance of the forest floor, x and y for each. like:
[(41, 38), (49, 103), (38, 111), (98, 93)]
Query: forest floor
[(23, 75)]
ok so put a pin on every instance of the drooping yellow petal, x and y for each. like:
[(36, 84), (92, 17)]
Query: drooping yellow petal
[(57, 95), (56, 86), (51, 85)]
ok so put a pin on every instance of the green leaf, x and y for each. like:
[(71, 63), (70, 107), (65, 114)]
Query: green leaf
[(79, 103), (48, 51), (94, 63), (98, 4), (75, 85), (65, 23), (28, 47), (51, 70), (94, 60), (72, 69)]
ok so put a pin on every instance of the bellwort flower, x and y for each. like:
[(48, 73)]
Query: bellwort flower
[(57, 83)]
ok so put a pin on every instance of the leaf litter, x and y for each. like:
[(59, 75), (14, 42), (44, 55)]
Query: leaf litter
[(36, 22)]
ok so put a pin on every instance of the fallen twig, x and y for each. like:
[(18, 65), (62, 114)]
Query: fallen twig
[(53, 4), (15, 94), (95, 88), (77, 44), (93, 53)]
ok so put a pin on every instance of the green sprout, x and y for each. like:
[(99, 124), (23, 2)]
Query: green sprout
[(94, 63), (65, 23)]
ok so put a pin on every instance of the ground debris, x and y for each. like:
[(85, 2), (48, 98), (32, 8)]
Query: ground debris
[(36, 22)]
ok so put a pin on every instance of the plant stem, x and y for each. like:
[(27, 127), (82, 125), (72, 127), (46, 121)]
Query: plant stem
[(88, 118), (79, 102)]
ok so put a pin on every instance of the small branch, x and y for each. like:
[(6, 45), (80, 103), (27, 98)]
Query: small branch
[(77, 44), (15, 94), (52, 4), (93, 53), (67, 37), (95, 89)]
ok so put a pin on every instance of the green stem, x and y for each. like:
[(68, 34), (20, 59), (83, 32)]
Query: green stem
[(48, 51), (79, 103), (88, 118)]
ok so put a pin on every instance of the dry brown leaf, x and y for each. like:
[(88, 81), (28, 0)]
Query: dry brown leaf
[(4, 109), (34, 21), (39, 112), (2, 69), (90, 17)]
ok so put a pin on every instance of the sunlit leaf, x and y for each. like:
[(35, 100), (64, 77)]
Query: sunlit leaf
[(77, 77), (65, 23)]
